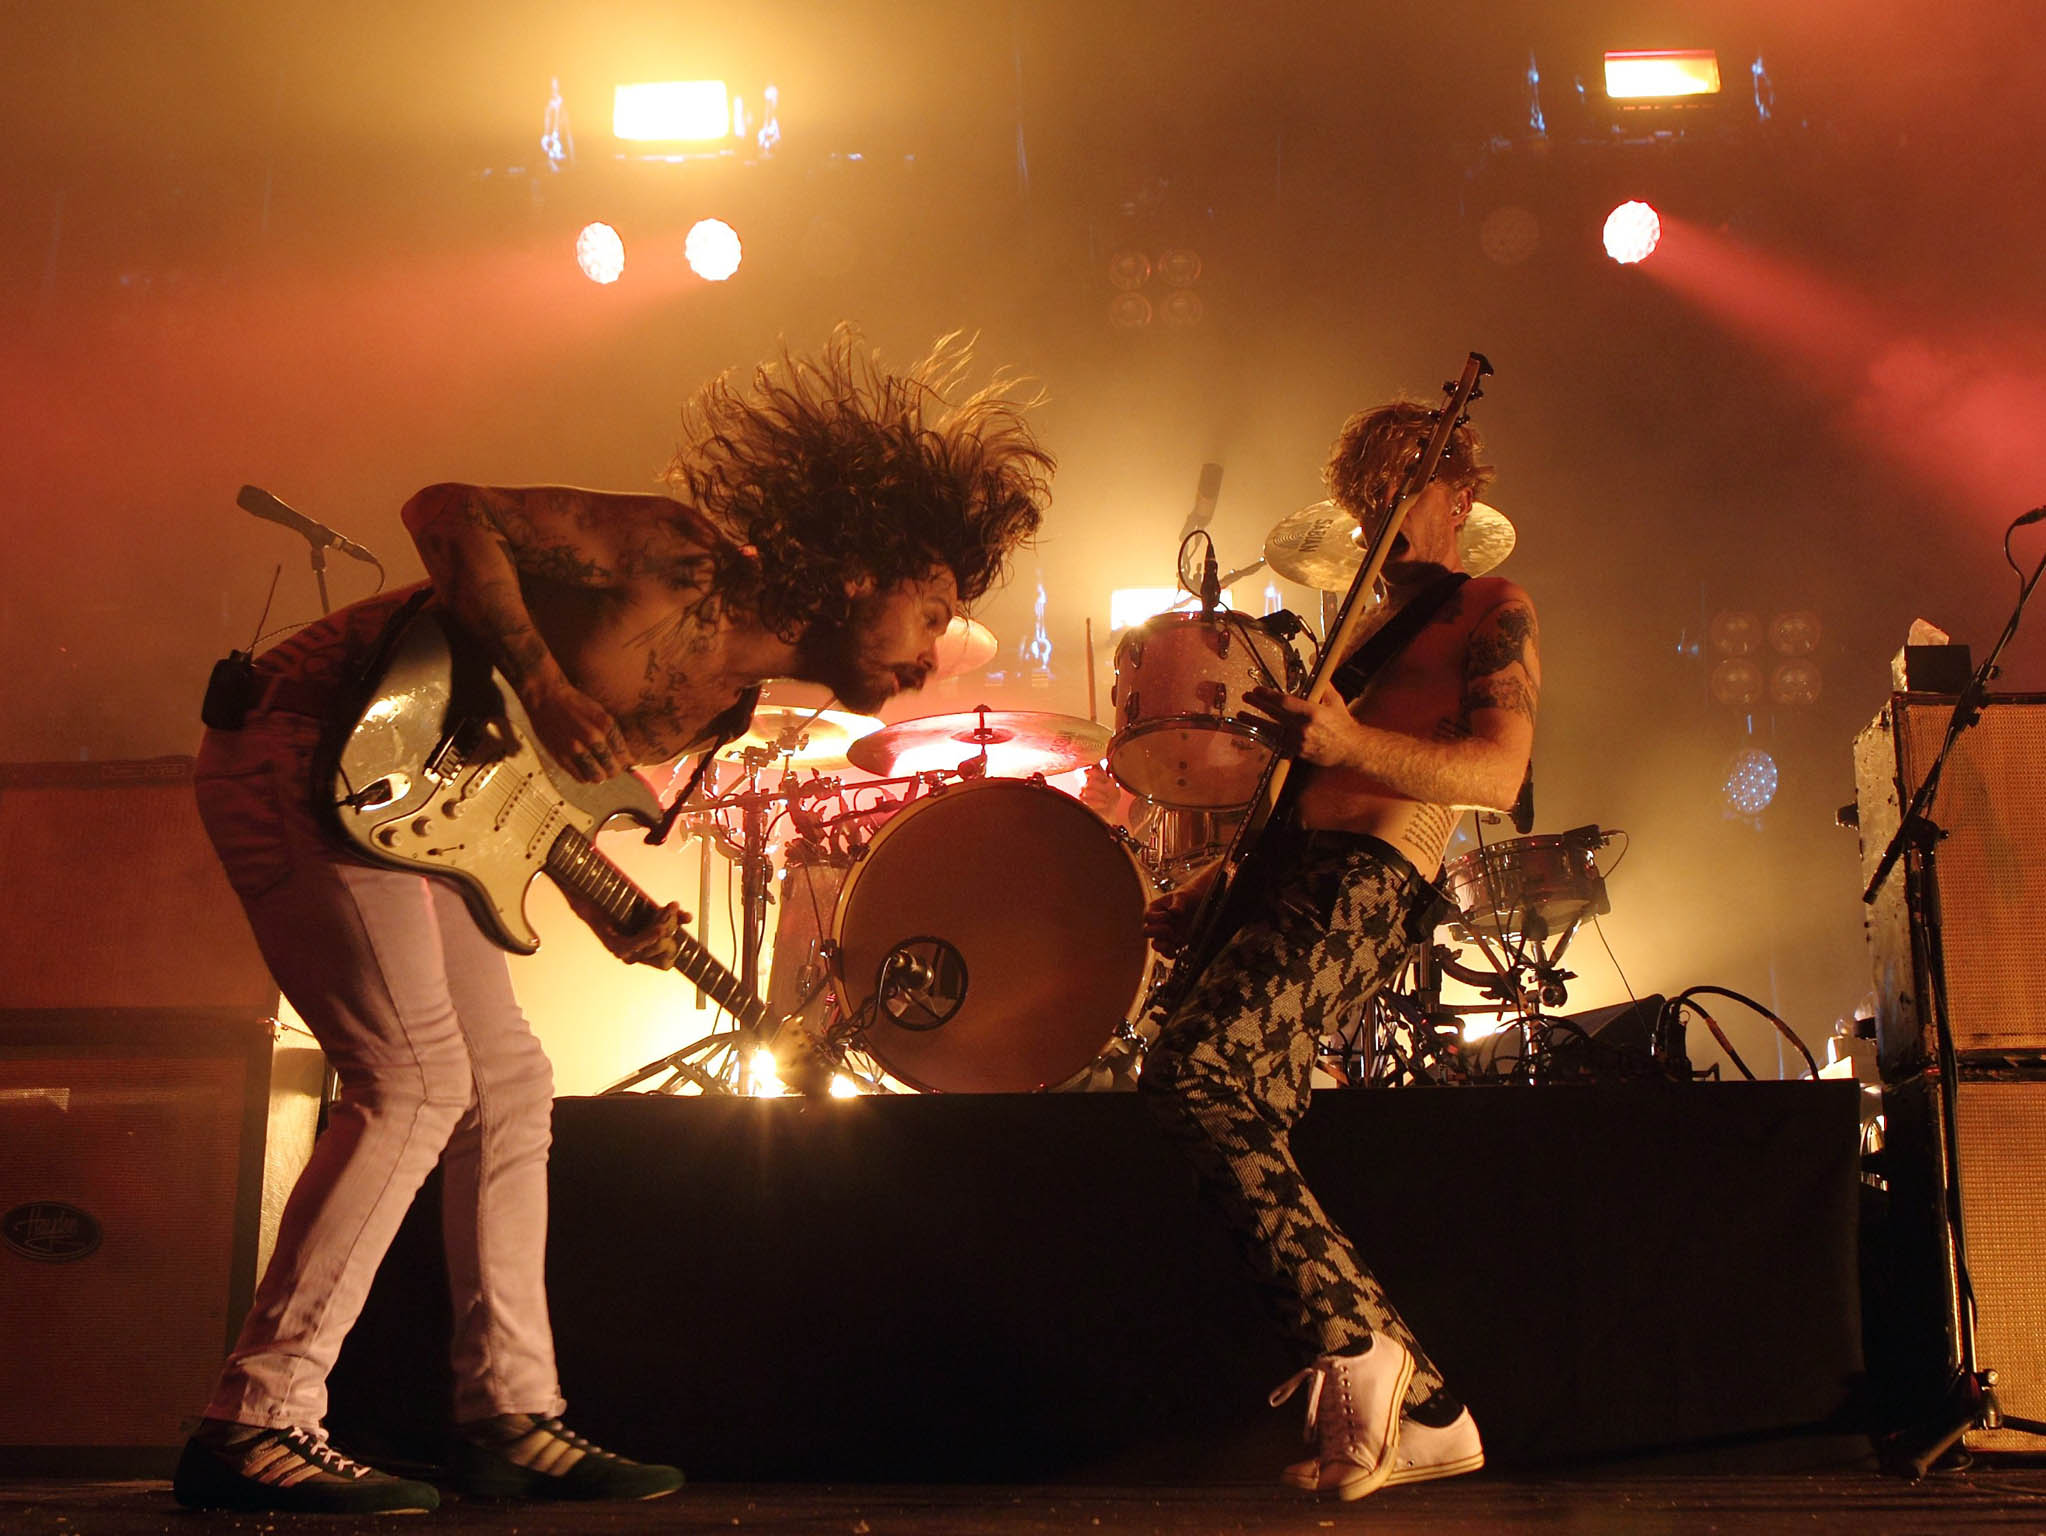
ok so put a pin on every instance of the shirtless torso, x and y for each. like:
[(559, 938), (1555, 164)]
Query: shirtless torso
[(1468, 679)]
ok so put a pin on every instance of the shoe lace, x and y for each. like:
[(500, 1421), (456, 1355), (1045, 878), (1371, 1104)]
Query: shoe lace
[(312, 1445), (1312, 1377)]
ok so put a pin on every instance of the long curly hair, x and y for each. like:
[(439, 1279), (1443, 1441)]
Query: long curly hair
[(1378, 449), (820, 471)]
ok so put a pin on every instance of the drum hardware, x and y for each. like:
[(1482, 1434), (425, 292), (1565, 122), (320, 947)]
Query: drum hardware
[(1520, 903), (800, 737)]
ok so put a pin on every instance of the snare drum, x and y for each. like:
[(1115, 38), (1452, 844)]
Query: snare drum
[(1028, 912), (1527, 887), (1184, 736)]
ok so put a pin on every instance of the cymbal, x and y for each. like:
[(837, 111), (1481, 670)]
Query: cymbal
[(805, 738), (1318, 545), (967, 645), (1018, 742)]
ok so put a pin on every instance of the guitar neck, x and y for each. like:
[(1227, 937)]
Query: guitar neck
[(575, 865)]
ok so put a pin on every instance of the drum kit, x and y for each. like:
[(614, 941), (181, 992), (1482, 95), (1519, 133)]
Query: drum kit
[(948, 919)]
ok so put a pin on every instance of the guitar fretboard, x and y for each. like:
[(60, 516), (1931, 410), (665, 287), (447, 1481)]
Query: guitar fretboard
[(575, 864)]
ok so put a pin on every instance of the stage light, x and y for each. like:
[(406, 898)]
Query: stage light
[(1179, 267), (1795, 683), (1631, 233), (1751, 782), (766, 1081), (1182, 307), (685, 111), (843, 1087), (1128, 271), (1662, 74), (1736, 683), (1794, 634), (1129, 311), (712, 249), (600, 253), (1735, 632), (1130, 606)]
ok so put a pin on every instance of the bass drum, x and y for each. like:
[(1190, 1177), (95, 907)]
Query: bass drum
[(991, 939)]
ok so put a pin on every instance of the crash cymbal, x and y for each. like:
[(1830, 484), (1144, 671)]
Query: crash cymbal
[(804, 738), (1017, 742), (966, 646), (1318, 546)]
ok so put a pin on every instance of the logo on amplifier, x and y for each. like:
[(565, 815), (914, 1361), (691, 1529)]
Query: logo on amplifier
[(50, 1231)]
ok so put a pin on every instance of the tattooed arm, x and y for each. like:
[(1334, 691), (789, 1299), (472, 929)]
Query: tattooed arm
[(1476, 757), (479, 542)]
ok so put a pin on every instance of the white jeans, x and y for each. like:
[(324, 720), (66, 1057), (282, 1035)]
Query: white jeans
[(414, 1008)]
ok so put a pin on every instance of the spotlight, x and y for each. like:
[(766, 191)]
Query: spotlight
[(1128, 271), (1795, 634), (1735, 632), (600, 253), (1182, 307), (712, 249), (1631, 233), (1736, 682), (1750, 782), (1662, 74), (1179, 267), (1795, 683), (688, 111), (1129, 311)]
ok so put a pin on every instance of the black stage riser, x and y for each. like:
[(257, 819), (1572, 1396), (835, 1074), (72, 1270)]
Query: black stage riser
[(1004, 1288)]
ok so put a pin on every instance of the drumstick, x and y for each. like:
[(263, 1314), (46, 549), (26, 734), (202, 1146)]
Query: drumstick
[(1093, 710)]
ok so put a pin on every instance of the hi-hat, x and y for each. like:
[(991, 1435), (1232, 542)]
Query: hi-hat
[(967, 645), (1318, 546), (1017, 742), (803, 738)]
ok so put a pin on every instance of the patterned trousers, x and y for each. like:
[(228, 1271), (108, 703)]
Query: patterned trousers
[(1230, 1071)]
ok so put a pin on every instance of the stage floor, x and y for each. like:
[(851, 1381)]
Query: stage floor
[(1835, 1493)]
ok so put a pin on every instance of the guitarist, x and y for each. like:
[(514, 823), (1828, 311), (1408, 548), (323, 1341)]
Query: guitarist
[(826, 520), (1322, 915)]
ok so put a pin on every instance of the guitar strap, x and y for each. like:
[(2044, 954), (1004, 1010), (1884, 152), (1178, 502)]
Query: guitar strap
[(1375, 654)]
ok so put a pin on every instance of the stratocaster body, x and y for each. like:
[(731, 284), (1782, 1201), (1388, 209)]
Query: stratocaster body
[(441, 775)]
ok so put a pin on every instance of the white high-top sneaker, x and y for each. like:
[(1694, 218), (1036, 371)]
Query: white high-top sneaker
[(1353, 1415)]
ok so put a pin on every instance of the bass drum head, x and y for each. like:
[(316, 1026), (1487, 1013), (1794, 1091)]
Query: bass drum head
[(1044, 909)]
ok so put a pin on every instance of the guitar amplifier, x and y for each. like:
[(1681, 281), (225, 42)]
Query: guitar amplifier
[(144, 1159), (1991, 872), (113, 897)]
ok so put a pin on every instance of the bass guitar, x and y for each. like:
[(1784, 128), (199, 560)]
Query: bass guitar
[(1209, 928), (440, 773)]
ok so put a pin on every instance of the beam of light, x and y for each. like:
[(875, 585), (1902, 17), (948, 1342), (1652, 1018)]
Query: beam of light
[(1130, 606), (600, 253), (763, 1081), (1964, 415), (712, 249), (1662, 74), (1632, 232), (672, 111), (843, 1087)]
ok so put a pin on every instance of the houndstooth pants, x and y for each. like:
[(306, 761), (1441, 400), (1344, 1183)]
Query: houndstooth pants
[(1230, 1071)]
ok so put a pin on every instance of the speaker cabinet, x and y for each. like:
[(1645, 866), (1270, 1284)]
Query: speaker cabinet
[(144, 1156), (1991, 879), (1999, 1150), (113, 898)]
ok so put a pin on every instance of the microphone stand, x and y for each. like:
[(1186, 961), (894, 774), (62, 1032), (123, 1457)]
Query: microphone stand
[(1970, 1401)]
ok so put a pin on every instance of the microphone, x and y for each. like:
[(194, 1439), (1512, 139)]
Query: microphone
[(1211, 581), (254, 499)]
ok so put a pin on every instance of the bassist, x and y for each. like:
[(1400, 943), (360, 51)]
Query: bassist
[(1323, 915)]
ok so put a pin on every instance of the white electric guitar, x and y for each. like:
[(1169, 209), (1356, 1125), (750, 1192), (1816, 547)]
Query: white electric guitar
[(440, 774)]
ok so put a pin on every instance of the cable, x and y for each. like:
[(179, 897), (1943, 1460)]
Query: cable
[(1683, 999)]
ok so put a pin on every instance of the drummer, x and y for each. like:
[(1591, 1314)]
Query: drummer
[(1445, 723)]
